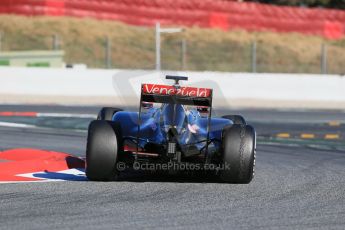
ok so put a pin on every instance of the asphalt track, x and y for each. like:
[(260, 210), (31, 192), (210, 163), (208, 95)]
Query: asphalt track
[(298, 185)]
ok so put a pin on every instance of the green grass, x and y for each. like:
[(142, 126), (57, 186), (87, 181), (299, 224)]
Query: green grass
[(133, 47), (4, 62), (38, 64)]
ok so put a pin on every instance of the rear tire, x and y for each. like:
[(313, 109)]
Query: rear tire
[(236, 119), (239, 148), (104, 143), (107, 113)]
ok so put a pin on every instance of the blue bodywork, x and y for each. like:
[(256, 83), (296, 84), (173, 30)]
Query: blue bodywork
[(190, 125)]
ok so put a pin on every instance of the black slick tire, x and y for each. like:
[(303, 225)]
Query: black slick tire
[(104, 143), (238, 153)]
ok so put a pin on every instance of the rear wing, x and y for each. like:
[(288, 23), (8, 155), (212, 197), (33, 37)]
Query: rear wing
[(176, 95)]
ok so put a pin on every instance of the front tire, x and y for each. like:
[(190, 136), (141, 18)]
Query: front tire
[(104, 143), (236, 119), (107, 113), (239, 147)]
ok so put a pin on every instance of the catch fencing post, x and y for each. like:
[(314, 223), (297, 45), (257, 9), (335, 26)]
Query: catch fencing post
[(1, 36), (183, 53), (159, 30), (108, 53), (158, 46), (55, 42), (254, 57), (324, 59)]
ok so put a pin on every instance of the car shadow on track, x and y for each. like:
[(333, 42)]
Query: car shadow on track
[(137, 176)]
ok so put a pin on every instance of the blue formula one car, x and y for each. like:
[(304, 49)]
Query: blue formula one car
[(173, 128)]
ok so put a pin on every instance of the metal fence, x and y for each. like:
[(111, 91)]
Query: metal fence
[(180, 52)]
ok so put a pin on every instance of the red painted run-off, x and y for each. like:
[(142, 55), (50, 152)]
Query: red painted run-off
[(23, 161), (204, 13)]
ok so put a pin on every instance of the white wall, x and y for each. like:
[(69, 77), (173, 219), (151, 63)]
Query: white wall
[(73, 86)]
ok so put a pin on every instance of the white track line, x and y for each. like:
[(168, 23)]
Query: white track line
[(16, 125), (19, 125)]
